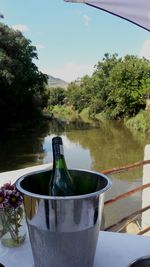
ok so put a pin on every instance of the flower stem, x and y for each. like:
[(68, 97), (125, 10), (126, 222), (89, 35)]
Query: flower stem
[(11, 220)]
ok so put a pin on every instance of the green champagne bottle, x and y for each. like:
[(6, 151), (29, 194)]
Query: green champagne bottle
[(61, 183)]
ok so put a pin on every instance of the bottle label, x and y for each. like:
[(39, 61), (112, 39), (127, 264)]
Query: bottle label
[(61, 150), (58, 149)]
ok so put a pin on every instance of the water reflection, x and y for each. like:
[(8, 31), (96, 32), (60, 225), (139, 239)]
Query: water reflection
[(22, 150), (108, 146)]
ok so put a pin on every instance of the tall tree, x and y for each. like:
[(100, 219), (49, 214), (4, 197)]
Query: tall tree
[(118, 87), (129, 84), (22, 85), (56, 96)]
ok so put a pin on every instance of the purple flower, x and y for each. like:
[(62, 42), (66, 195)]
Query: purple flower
[(3, 199), (10, 196), (15, 199), (8, 186)]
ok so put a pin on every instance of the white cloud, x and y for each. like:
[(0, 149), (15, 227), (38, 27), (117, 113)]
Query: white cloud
[(145, 51), (39, 46), (86, 20), (20, 27), (70, 71)]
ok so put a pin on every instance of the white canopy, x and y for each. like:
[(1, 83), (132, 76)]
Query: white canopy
[(135, 11)]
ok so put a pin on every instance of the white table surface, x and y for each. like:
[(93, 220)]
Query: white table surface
[(113, 250)]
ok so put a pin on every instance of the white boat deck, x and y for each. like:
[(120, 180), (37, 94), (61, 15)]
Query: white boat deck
[(12, 176)]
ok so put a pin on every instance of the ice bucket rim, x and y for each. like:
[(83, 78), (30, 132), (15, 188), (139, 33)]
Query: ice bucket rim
[(46, 197)]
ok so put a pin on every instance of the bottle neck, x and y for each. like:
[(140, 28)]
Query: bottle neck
[(59, 159), (58, 152)]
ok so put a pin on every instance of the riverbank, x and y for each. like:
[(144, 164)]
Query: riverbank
[(139, 123)]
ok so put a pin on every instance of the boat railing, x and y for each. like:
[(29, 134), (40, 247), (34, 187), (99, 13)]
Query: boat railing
[(122, 224)]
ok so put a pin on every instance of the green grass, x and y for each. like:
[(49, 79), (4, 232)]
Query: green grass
[(141, 122), (66, 113), (84, 115)]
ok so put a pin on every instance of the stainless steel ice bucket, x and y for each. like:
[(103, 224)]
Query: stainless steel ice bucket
[(64, 230)]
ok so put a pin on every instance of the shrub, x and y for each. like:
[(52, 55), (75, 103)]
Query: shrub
[(141, 122)]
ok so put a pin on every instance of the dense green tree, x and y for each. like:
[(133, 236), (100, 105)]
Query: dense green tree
[(128, 81), (56, 96), (96, 106), (100, 83), (102, 73), (76, 96), (117, 87), (22, 85), (145, 86)]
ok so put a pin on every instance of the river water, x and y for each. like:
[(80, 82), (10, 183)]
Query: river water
[(93, 148)]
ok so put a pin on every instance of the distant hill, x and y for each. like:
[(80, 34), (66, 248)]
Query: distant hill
[(56, 82)]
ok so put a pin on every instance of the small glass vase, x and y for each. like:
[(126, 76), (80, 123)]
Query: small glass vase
[(14, 228)]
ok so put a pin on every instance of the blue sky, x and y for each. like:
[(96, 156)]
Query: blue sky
[(72, 38)]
